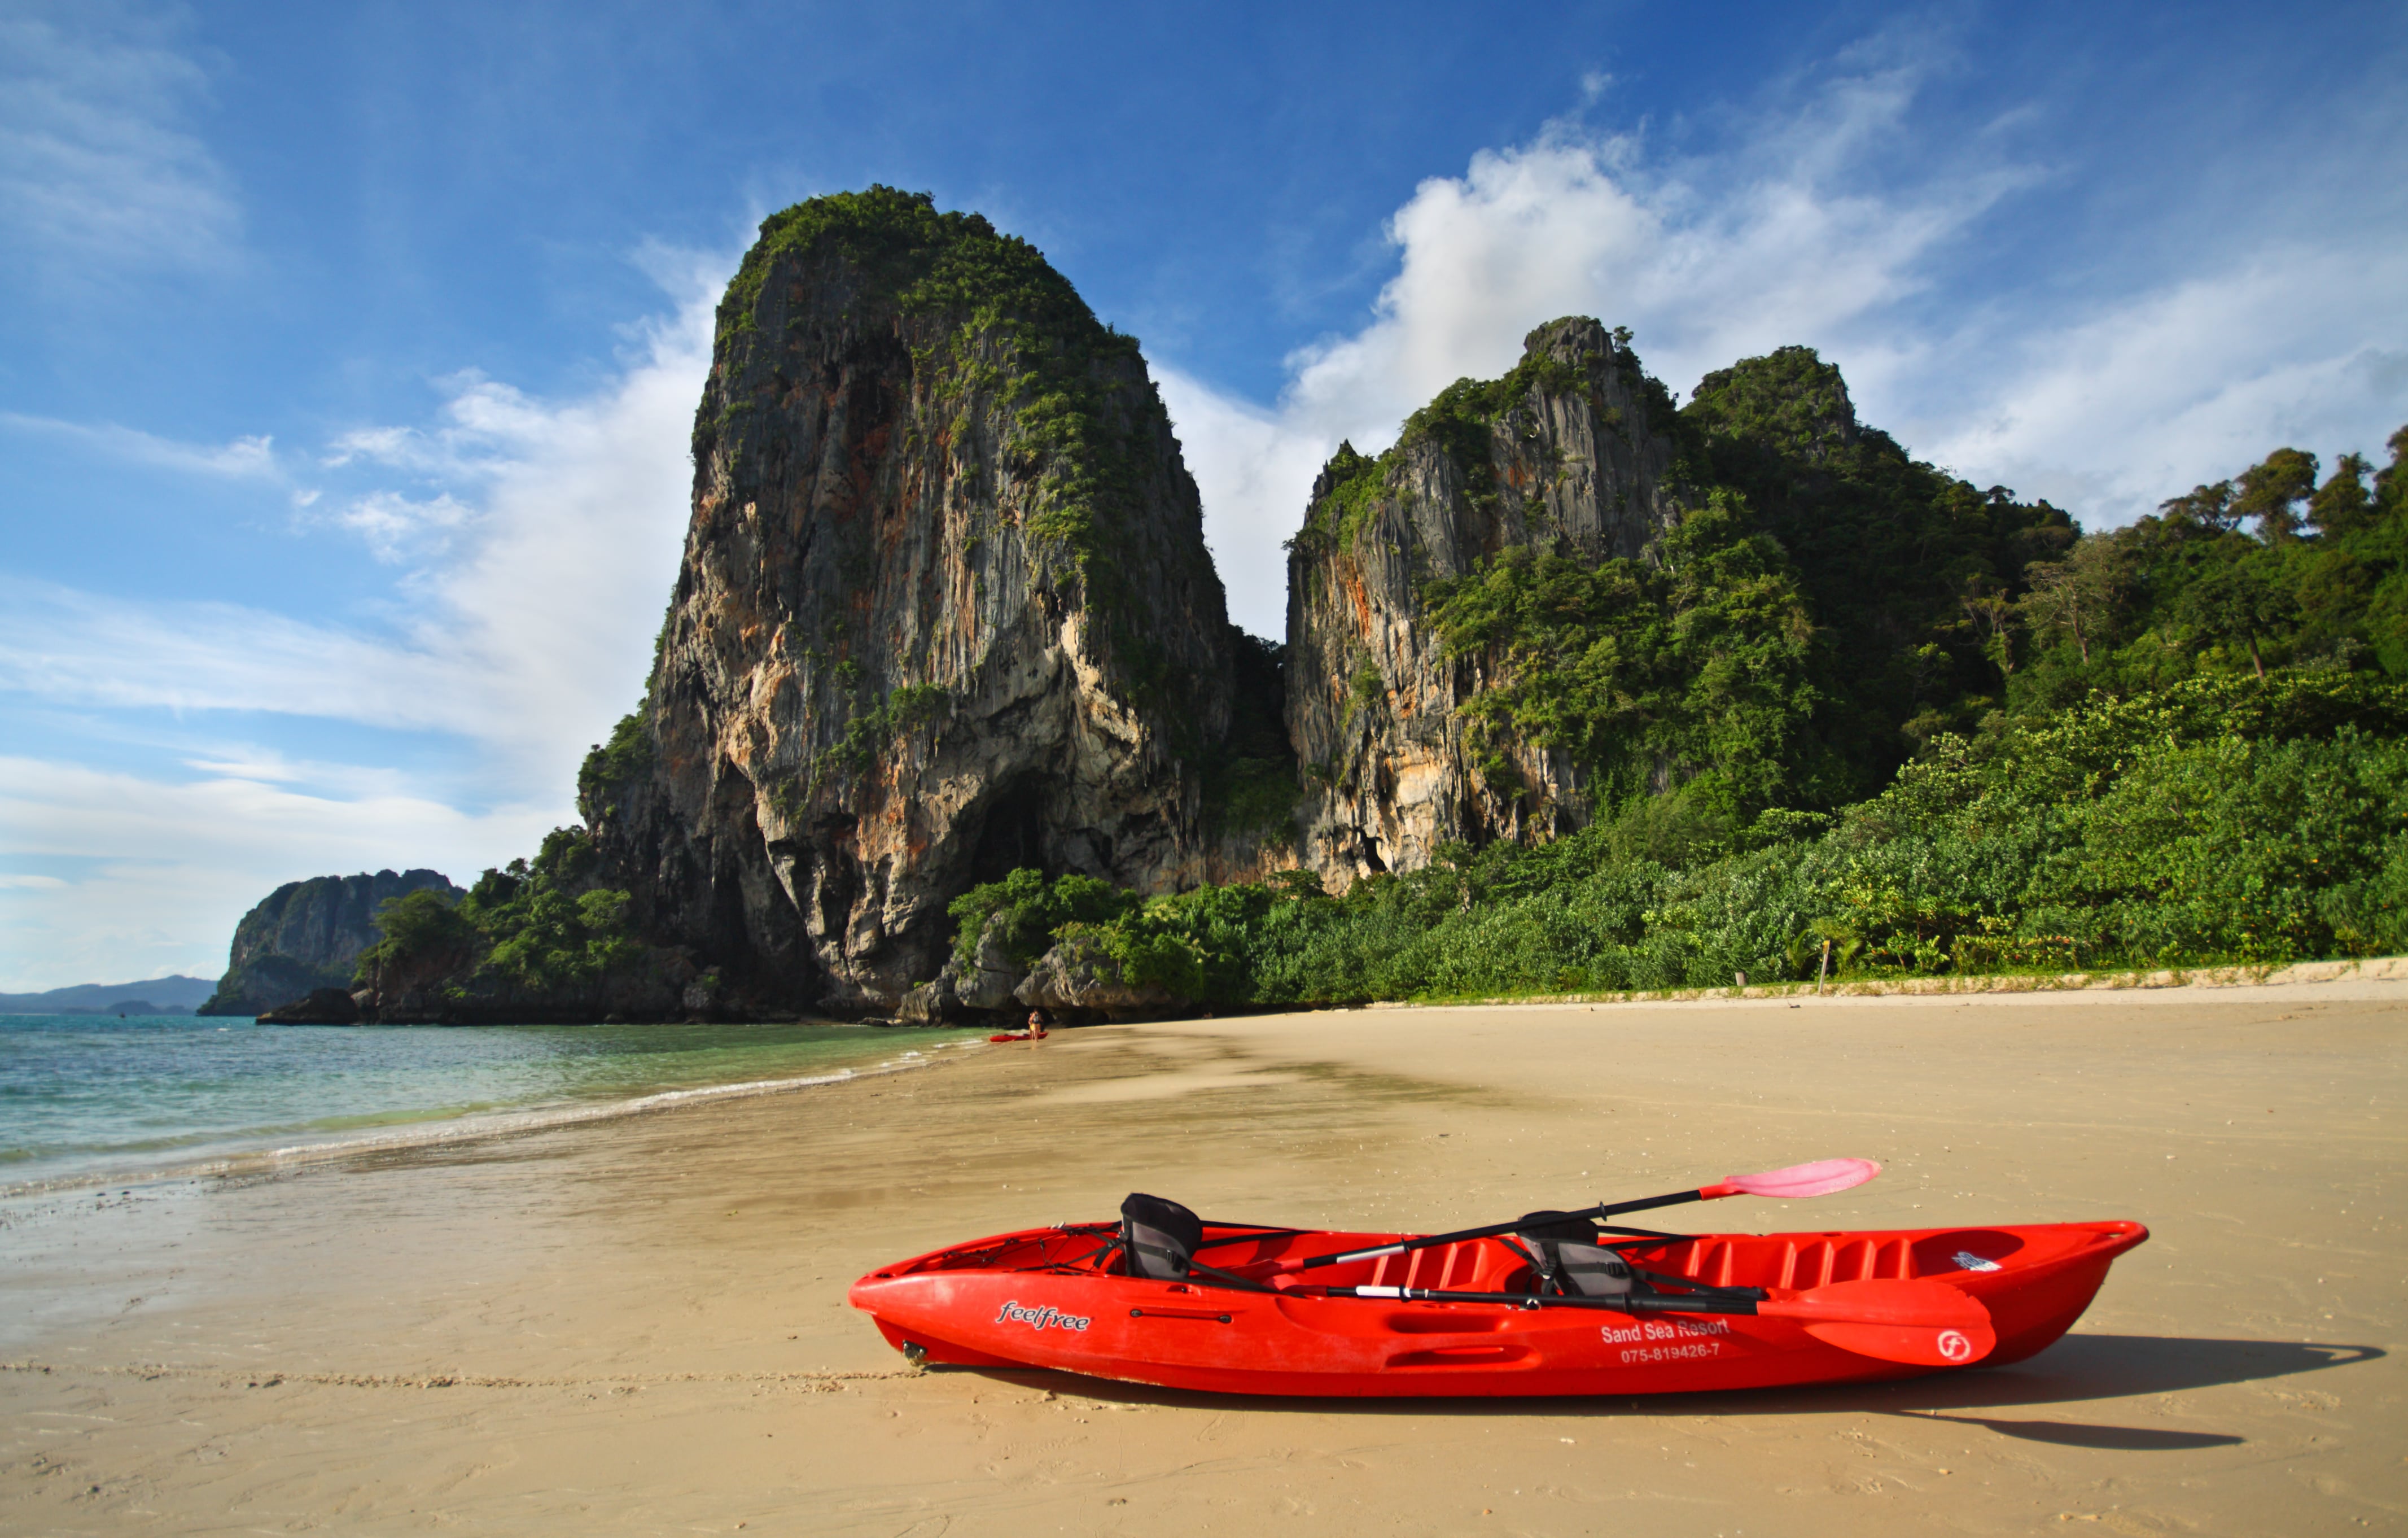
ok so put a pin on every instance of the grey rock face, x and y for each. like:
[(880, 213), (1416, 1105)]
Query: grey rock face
[(929, 1004), (1079, 976), (989, 980), (307, 935), (319, 1007), (982, 986), (1574, 466), (945, 610)]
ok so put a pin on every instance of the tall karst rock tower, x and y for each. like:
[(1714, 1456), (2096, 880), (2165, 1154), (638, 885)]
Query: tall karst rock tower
[(1570, 453), (945, 610)]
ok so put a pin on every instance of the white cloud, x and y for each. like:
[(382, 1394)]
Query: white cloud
[(484, 422), (98, 170), (1803, 232), (85, 650), (2111, 414), (243, 459), (395, 525), (169, 868), (1707, 261), (1253, 466), (526, 627)]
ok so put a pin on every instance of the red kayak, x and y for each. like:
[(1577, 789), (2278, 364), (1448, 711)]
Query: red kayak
[(1247, 1311)]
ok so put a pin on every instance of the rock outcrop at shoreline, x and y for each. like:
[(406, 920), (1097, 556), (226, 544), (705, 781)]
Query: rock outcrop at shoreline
[(1571, 454), (307, 935), (945, 610)]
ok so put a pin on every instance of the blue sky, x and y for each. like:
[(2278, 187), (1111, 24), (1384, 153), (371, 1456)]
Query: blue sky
[(347, 354)]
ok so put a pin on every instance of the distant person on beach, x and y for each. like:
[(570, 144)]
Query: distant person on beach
[(1036, 1024)]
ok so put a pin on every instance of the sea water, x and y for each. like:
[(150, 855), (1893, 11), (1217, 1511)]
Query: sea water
[(87, 1096)]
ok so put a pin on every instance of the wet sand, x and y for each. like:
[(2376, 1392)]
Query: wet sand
[(640, 1326)]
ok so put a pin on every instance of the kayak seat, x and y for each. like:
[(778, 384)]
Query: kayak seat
[(1158, 1237), (1568, 1259)]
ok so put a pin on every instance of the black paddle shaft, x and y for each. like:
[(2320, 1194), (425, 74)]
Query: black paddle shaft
[(1600, 1213), (1736, 1300)]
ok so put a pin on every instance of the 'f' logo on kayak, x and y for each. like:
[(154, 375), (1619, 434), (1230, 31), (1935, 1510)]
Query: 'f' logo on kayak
[(1953, 1345), (1040, 1318)]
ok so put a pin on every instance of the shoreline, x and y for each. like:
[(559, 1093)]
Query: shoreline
[(441, 1131)]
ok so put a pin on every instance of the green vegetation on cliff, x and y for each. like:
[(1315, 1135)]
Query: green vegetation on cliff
[(1692, 666), (614, 766), (542, 926), (1250, 783), (1909, 574), (1827, 606), (1851, 707), (1014, 328), (2188, 746)]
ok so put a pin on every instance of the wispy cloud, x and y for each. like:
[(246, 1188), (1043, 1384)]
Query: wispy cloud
[(99, 169), (243, 459), (397, 527), (2111, 412), (168, 867), (481, 427), (1706, 259), (92, 650), (539, 540), (536, 579)]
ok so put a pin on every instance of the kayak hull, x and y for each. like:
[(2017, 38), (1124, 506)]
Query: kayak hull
[(1040, 1298)]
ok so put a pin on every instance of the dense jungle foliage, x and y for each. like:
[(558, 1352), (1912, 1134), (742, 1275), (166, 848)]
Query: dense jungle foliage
[(2192, 749), (539, 927), (2318, 579), (2222, 819)]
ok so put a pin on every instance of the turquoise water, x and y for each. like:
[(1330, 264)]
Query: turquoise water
[(87, 1096)]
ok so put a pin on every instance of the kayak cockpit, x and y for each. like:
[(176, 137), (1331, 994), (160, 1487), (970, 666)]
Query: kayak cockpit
[(1248, 1253)]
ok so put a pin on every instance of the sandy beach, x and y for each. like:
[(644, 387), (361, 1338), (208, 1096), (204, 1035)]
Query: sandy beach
[(640, 1326)]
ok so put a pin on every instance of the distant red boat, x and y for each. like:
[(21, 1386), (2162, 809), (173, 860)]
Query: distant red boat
[(1241, 1309)]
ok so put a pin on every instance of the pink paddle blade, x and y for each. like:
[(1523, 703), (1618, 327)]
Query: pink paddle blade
[(1820, 1178)]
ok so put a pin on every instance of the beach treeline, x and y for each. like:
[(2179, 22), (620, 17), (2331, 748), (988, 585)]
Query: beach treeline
[(2218, 821)]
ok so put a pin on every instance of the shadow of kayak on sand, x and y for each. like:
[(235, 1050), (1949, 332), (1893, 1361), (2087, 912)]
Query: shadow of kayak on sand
[(2076, 1369), (2068, 1434)]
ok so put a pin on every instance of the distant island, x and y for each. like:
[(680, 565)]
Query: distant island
[(1582, 689), (172, 995)]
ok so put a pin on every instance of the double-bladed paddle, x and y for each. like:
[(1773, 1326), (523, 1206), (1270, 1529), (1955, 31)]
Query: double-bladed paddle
[(1820, 1178), (1920, 1323)]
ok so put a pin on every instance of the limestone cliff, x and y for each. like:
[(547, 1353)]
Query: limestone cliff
[(945, 610), (1571, 453), (307, 935)]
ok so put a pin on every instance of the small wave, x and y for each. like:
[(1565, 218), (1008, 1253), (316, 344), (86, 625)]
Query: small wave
[(463, 1130)]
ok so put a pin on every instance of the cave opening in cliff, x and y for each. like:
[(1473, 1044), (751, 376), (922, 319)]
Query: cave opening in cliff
[(1011, 832)]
